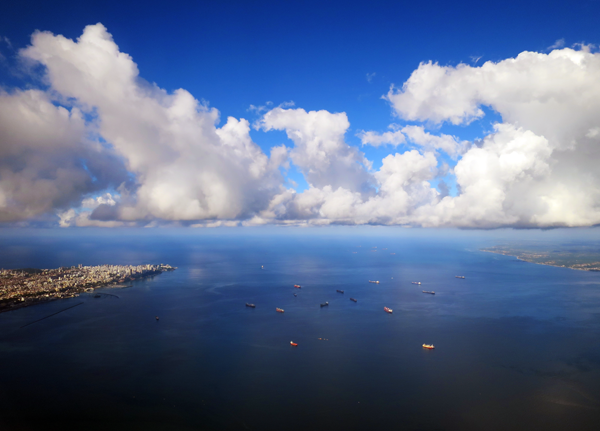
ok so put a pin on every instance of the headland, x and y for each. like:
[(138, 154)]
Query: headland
[(28, 286)]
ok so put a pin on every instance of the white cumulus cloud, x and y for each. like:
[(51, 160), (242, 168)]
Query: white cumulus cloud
[(539, 167), (320, 151), (417, 135), (186, 167), (102, 147), (395, 138), (46, 160)]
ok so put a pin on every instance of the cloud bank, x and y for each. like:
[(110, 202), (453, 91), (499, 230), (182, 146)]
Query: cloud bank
[(539, 167), (185, 167), (102, 147)]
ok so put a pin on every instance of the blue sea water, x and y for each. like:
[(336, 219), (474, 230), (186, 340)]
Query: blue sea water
[(517, 344)]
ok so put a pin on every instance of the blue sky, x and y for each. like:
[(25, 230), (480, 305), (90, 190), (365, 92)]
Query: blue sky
[(234, 54), (333, 56)]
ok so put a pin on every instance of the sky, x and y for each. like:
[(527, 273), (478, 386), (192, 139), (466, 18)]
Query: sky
[(238, 113)]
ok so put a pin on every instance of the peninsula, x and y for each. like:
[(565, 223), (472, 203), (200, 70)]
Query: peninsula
[(23, 287), (584, 258)]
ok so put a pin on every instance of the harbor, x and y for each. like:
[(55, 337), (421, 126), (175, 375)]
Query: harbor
[(104, 352)]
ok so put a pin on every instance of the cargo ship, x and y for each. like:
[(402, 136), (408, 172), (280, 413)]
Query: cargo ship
[(388, 310), (459, 276), (428, 346), (297, 286), (352, 299), (375, 281), (415, 282), (339, 291), (325, 304), (429, 291), (293, 344), (279, 310), (250, 305)]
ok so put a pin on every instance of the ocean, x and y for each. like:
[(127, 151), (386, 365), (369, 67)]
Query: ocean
[(516, 344)]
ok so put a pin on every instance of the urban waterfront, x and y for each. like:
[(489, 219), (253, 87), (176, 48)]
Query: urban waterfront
[(28, 286), (515, 343)]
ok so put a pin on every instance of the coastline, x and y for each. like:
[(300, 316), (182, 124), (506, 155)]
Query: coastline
[(523, 257), (30, 286)]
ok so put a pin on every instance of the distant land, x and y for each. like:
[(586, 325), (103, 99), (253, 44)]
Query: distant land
[(28, 286), (581, 257)]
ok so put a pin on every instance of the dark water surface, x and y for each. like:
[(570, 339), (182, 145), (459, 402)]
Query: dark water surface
[(517, 344)]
